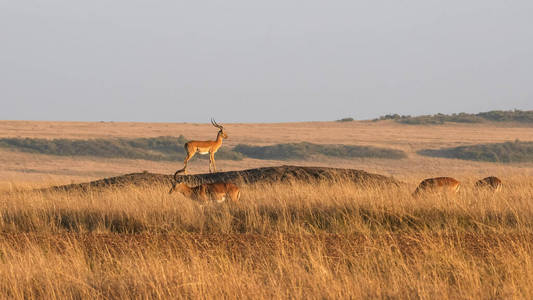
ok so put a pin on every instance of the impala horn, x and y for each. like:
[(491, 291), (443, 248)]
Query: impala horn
[(216, 124)]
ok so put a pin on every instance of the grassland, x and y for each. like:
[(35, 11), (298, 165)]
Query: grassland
[(310, 240), (18, 167), (316, 240)]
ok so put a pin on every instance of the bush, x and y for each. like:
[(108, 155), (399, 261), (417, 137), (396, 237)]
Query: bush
[(392, 117), (508, 116), (302, 151), (346, 120), (508, 152)]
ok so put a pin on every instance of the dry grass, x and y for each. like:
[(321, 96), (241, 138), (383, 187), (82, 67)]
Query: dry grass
[(328, 240), (325, 240)]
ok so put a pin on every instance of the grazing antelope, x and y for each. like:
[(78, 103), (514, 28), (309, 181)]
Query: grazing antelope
[(204, 147), (492, 182), (446, 184), (218, 191)]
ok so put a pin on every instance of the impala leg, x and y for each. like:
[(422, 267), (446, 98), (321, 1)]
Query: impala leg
[(187, 158), (172, 188), (235, 195), (212, 162), (203, 194)]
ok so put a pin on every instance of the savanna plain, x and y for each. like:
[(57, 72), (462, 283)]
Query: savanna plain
[(325, 239)]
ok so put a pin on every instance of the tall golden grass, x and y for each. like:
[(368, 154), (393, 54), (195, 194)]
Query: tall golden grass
[(313, 240)]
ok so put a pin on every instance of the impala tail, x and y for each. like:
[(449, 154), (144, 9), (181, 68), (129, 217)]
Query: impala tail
[(177, 173)]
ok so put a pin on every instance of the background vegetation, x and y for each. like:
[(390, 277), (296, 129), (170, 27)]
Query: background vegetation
[(509, 152), (158, 148), (348, 119), (171, 149), (303, 151), (490, 116)]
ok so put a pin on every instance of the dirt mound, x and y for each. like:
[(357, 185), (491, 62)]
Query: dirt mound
[(250, 176)]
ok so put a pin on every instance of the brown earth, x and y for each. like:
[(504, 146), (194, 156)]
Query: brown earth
[(250, 176)]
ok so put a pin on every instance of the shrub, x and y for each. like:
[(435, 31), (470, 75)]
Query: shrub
[(346, 120), (392, 117)]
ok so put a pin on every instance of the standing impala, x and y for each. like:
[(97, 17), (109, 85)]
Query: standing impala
[(204, 147)]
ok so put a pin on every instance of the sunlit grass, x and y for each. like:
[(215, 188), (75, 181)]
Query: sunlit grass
[(313, 240)]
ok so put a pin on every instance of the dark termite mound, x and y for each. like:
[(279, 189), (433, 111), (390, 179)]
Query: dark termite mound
[(250, 176)]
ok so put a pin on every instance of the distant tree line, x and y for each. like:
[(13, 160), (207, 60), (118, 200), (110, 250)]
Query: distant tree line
[(171, 149), (490, 116), (508, 152)]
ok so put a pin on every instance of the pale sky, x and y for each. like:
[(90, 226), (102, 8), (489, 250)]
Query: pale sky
[(262, 61)]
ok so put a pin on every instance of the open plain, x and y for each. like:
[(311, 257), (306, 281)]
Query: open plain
[(318, 239), (23, 167)]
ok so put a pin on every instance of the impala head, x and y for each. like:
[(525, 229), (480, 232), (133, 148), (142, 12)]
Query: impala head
[(180, 187), (221, 132)]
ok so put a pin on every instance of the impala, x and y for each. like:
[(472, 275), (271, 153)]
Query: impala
[(218, 191), (204, 147), (446, 184), (492, 182)]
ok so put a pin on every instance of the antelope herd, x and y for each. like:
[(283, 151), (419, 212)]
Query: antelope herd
[(219, 191)]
